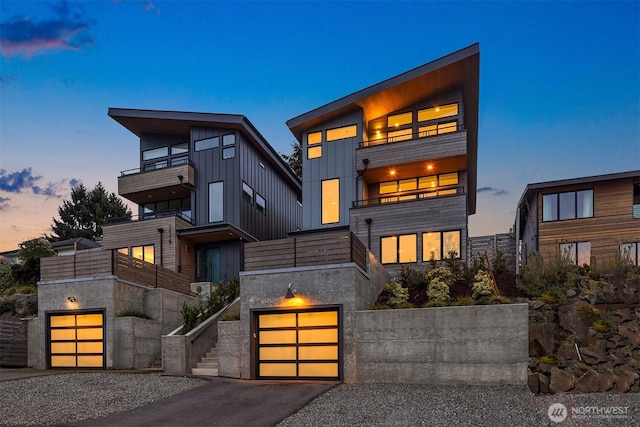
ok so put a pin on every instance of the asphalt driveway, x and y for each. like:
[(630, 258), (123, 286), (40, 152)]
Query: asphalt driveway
[(221, 402)]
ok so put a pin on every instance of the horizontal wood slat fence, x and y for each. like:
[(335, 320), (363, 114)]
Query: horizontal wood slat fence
[(101, 263), (305, 251), (13, 343)]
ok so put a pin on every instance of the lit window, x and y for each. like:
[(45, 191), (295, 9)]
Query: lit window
[(247, 192), (207, 143), (428, 182), (330, 201), (400, 135), (155, 153), (438, 112), (342, 132), (431, 247), (261, 204), (407, 184), (144, 253), (314, 152), (451, 243), (577, 252), (216, 201), (428, 130), (448, 179), (400, 119), (407, 247), (447, 127), (389, 250), (388, 187), (314, 138), (124, 251)]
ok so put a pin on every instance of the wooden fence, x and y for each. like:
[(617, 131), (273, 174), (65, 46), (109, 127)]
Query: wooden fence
[(305, 251), (13, 342), (86, 264)]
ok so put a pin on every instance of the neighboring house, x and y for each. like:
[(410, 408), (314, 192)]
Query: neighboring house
[(396, 162), (71, 246), (584, 219), (205, 185)]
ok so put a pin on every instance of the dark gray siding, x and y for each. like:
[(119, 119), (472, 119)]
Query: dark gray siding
[(283, 214), (337, 161)]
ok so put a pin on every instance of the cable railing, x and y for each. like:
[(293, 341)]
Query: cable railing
[(410, 196)]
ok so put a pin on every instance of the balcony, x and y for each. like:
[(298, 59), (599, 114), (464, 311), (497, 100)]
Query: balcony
[(409, 196), (418, 147), (161, 183)]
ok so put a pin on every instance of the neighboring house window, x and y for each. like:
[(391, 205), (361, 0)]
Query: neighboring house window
[(567, 205), (207, 143), (261, 204), (342, 132), (155, 153), (228, 146), (247, 192), (331, 201), (636, 201), (314, 145), (181, 148), (216, 201), (398, 249), (145, 253), (578, 253), (630, 252), (436, 245)]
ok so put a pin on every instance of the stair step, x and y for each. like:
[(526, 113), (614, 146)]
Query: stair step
[(205, 371), (213, 365), (209, 359)]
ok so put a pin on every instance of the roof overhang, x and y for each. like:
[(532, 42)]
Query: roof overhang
[(139, 122), (460, 69), (214, 233)]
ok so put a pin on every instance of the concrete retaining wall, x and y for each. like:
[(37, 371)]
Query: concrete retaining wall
[(229, 349), (448, 345)]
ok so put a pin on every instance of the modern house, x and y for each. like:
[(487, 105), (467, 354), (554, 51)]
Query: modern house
[(395, 163), (205, 184), (584, 219)]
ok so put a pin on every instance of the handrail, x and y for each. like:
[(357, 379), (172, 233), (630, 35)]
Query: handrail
[(410, 196), (374, 142), (165, 214), (142, 169)]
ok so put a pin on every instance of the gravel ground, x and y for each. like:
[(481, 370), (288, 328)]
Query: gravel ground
[(443, 405), (65, 398)]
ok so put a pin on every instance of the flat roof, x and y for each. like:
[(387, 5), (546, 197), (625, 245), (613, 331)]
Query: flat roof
[(459, 69), (180, 123)]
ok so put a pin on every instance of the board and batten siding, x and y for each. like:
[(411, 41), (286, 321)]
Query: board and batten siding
[(283, 214), (337, 161), (612, 223)]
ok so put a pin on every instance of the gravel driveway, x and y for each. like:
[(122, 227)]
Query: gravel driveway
[(65, 398)]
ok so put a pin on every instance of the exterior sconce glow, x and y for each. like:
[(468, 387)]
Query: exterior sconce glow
[(291, 298), (72, 299), (290, 293)]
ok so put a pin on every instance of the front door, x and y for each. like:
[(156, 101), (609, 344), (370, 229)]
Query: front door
[(208, 265)]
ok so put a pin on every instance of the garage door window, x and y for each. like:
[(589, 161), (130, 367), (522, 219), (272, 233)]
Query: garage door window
[(76, 340)]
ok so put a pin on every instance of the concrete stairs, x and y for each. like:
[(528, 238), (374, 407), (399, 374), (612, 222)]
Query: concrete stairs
[(208, 365)]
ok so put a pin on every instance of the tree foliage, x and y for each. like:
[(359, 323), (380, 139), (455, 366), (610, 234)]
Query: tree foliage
[(27, 271), (86, 213), (294, 160)]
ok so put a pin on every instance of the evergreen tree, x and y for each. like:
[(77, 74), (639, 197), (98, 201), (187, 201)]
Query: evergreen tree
[(27, 272), (295, 159), (86, 213)]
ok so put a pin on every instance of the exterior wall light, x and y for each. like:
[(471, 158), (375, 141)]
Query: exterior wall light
[(72, 298), (291, 293)]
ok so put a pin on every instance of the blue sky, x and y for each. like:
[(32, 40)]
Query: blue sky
[(559, 84)]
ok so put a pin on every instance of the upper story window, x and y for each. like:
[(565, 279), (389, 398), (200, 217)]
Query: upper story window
[(418, 187), (440, 112), (181, 148), (216, 201), (228, 146), (331, 201), (155, 153), (398, 120), (261, 204), (342, 132), (247, 192), (207, 143), (314, 145), (567, 205)]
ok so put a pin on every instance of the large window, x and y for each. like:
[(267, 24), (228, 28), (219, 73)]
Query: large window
[(207, 143), (331, 201), (567, 205), (314, 145), (145, 253), (342, 132), (398, 249), (216, 201), (440, 112), (421, 187), (437, 245), (176, 206), (630, 252), (576, 252), (397, 120)]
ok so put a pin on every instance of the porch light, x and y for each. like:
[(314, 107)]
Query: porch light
[(291, 293), (72, 298)]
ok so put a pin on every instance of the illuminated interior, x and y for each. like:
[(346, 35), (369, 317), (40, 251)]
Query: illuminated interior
[(76, 340), (298, 344), (330, 201)]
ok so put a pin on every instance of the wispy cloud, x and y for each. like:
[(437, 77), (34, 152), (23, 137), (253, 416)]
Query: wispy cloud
[(495, 191), (7, 80), (26, 181), (3, 203), (67, 30)]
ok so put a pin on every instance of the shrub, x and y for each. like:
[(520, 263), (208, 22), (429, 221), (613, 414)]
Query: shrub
[(499, 299), (380, 306), (412, 278), (482, 285), (398, 295), (221, 296), (7, 306), (500, 264), (554, 277), (230, 317), (438, 292), (588, 313), (443, 273), (549, 298), (463, 301), (190, 315), (130, 312), (602, 326)]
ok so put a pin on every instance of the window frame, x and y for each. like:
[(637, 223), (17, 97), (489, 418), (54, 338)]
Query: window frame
[(248, 194), (197, 144), (556, 212), (322, 201), (574, 251), (329, 132), (443, 248), (219, 187), (164, 150), (400, 249), (261, 204)]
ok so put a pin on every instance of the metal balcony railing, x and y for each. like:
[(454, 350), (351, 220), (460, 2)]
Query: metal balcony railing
[(438, 130), (410, 196), (158, 164)]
